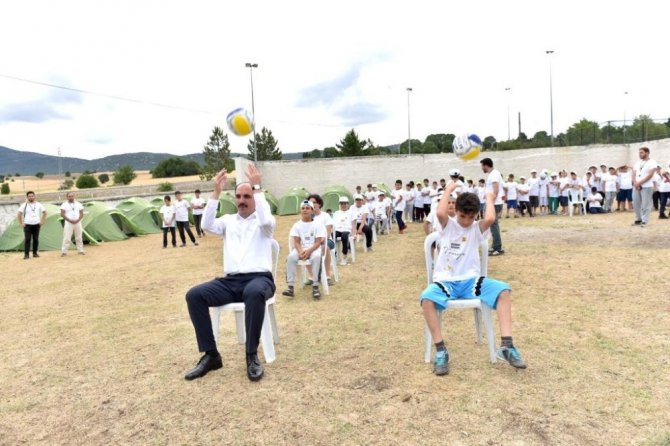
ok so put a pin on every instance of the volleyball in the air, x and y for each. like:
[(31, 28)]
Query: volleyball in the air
[(240, 122), (468, 146)]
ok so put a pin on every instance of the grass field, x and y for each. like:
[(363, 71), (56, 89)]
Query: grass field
[(94, 348)]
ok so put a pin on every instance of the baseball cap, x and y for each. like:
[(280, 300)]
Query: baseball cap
[(344, 200), (374, 185), (522, 178), (454, 172), (554, 174), (306, 203), (358, 197), (381, 192), (533, 171)]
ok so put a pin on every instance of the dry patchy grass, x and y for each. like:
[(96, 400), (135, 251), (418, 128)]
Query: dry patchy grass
[(94, 348)]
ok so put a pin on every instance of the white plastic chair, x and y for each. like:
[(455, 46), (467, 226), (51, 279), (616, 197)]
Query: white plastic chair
[(482, 312), (269, 331), (352, 247), (303, 264), (576, 198)]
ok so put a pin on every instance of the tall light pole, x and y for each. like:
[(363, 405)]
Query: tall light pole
[(251, 67), (509, 133), (625, 103), (551, 97), (409, 134)]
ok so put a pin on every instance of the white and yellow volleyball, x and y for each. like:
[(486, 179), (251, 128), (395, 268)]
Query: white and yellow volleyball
[(240, 121), (468, 146)]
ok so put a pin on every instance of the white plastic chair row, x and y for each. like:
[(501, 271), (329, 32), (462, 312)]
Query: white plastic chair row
[(482, 312), (576, 198), (269, 331)]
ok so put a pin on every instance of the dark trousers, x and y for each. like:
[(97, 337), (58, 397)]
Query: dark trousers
[(367, 230), (525, 206), (426, 209), (31, 232), (656, 199), (252, 288), (495, 230), (665, 196), (174, 237), (345, 241), (398, 219), (184, 226), (418, 214), (198, 229)]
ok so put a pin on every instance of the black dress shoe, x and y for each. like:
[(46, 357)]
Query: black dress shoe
[(254, 368), (205, 364)]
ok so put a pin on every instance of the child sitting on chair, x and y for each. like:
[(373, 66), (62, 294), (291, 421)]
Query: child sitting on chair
[(457, 275)]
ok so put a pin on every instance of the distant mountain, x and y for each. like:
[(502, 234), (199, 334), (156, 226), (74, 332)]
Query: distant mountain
[(29, 163)]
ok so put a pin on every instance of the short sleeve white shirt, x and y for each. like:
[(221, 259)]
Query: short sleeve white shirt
[(32, 212), (357, 212), (167, 212), (533, 186), (642, 169), (72, 209), (626, 179), (399, 204), (198, 202), (308, 231), (342, 221), (495, 177), (511, 190), (610, 182), (523, 190), (458, 258), (181, 209)]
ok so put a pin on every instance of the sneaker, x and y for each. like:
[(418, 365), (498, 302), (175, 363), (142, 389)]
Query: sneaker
[(316, 294), (663, 217), (183, 245), (63, 254), (288, 292), (497, 253), (511, 355), (637, 223), (368, 249), (195, 243), (164, 247), (343, 262), (81, 253), (26, 257), (643, 224), (331, 282), (308, 282), (441, 363), (35, 255)]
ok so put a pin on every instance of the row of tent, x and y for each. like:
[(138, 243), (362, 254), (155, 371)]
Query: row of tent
[(138, 216)]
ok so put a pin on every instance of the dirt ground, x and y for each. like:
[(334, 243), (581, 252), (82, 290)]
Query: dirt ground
[(94, 348)]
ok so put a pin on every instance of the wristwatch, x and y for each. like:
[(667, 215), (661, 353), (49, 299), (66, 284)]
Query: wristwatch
[(256, 187)]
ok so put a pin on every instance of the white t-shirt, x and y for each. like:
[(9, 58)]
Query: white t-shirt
[(534, 186), (342, 221), (400, 206), (434, 222), (481, 193), (523, 190), (357, 212), (181, 209), (610, 182), (409, 196), (371, 196), (594, 200), (495, 177), (564, 186), (664, 184), (167, 212), (460, 187), (553, 188), (380, 207), (542, 186), (459, 252), (72, 209), (32, 212), (308, 231), (198, 202), (510, 187), (418, 198), (642, 169), (626, 179), (324, 218)]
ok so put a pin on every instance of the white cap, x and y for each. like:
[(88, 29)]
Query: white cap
[(374, 185), (554, 174), (306, 203), (533, 171), (358, 197), (522, 178), (454, 173), (381, 192), (344, 199)]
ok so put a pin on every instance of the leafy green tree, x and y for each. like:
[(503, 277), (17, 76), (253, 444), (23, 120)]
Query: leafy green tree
[(316, 153), (175, 167), (103, 178), (67, 173), (443, 141), (417, 147), (266, 145), (331, 152), (541, 139), (39, 175), (66, 185), (4, 189), (489, 143), (351, 145), (87, 181), (124, 175), (644, 128), (217, 154), (583, 132), (430, 147)]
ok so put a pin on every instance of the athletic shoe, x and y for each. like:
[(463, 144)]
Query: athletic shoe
[(497, 253), (316, 294), (164, 247), (195, 243), (308, 282), (441, 363), (35, 255), (26, 257), (81, 253), (643, 224), (331, 282), (637, 223), (511, 355), (343, 262), (183, 245), (63, 254), (288, 292), (663, 217)]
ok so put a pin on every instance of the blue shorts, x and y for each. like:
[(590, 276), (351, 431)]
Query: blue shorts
[(511, 204), (483, 288), (563, 201), (624, 195)]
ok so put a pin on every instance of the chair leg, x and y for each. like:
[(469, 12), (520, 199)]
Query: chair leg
[(270, 310), (324, 276), (429, 344), (241, 331), (478, 325), (215, 316), (267, 342), (333, 265), (488, 326)]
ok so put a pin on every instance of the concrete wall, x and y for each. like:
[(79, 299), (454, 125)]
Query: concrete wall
[(316, 174)]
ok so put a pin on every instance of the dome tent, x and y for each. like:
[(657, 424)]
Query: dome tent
[(142, 213), (331, 197), (104, 224), (272, 201), (227, 204), (289, 204), (51, 233)]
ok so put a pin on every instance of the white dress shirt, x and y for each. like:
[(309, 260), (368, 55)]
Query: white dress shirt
[(248, 241)]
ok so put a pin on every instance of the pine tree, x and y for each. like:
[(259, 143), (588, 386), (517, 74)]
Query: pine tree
[(217, 154), (266, 145)]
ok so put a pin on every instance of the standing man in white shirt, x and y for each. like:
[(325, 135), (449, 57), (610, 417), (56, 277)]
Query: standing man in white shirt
[(198, 206), (643, 173), (664, 189), (32, 216), (167, 212), (72, 212), (494, 183), (247, 265), (182, 207)]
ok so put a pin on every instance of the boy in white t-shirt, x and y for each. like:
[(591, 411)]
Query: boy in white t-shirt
[(418, 203), (457, 275), (327, 221), (481, 193), (610, 184), (382, 211), (342, 226), (198, 206), (523, 191), (625, 193), (594, 200), (306, 237), (399, 206), (664, 190), (168, 217), (511, 195)]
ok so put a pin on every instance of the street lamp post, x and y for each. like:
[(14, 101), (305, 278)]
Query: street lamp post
[(251, 66), (509, 133), (409, 135), (625, 97), (551, 97)]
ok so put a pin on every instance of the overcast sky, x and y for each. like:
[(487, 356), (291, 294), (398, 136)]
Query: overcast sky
[(324, 68)]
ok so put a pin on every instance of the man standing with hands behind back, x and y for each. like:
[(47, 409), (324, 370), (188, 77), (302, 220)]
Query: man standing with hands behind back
[(72, 212), (247, 264), (31, 217)]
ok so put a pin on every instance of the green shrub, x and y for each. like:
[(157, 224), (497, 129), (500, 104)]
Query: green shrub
[(165, 187), (4, 189), (39, 175), (87, 181), (103, 178), (66, 185)]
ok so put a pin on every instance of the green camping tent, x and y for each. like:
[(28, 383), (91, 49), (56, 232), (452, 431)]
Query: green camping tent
[(157, 202), (331, 197), (289, 204), (142, 213), (387, 190), (102, 223), (51, 234), (272, 201), (226, 204)]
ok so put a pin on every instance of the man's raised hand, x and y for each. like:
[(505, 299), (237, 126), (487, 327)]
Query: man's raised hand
[(253, 174), (220, 181)]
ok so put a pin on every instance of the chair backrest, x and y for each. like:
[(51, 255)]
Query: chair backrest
[(434, 237), (576, 196), (275, 256)]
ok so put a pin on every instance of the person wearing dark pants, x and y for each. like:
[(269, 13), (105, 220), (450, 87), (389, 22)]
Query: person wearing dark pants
[(167, 212), (399, 206), (181, 212), (198, 206), (664, 189), (359, 223), (494, 183), (247, 264), (31, 217)]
